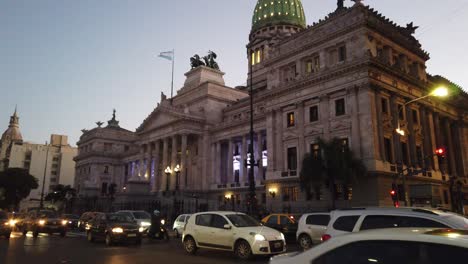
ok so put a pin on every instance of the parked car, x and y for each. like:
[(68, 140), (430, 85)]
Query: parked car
[(285, 223), (5, 225), (311, 228), (142, 218), (358, 219), (399, 245), (114, 228), (72, 220), (85, 218), (179, 224), (231, 231), (44, 221)]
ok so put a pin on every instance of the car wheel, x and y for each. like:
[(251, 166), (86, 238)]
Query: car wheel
[(35, 233), (305, 241), (25, 231), (108, 240), (243, 250), (90, 237), (176, 233), (190, 246), (8, 235), (63, 233)]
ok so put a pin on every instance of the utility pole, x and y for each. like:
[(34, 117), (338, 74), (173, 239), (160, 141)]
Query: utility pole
[(41, 205)]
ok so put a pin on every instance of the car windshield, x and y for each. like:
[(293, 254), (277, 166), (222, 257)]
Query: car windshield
[(242, 220), (119, 218), (3, 215), (46, 214), (141, 215)]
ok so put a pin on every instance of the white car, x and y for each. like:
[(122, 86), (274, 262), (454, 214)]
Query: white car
[(142, 218), (179, 224), (399, 245), (310, 229), (358, 219), (231, 231)]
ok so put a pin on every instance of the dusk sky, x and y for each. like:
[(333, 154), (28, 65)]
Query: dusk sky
[(68, 63)]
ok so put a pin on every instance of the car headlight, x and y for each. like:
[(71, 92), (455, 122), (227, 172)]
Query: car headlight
[(145, 224), (141, 229), (87, 227), (282, 236), (7, 223), (64, 222), (163, 222), (42, 222), (70, 222), (259, 237), (12, 222), (117, 230)]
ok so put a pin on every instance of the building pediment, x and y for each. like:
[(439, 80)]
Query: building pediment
[(164, 116)]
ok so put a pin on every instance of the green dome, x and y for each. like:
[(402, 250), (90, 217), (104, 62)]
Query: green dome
[(278, 12)]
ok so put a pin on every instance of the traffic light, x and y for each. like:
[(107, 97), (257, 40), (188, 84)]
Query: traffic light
[(440, 152), (394, 195)]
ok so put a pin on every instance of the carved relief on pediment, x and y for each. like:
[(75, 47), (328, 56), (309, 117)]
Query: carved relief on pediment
[(313, 130), (340, 125), (289, 134)]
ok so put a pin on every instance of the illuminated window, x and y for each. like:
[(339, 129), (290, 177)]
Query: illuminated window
[(315, 150), (253, 58), (259, 56), (316, 64), (309, 66), (291, 119)]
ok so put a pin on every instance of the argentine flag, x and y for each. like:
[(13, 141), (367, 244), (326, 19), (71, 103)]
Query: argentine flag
[(168, 55)]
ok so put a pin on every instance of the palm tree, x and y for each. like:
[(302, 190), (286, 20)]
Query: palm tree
[(333, 162)]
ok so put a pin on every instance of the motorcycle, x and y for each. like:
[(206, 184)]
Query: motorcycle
[(161, 234)]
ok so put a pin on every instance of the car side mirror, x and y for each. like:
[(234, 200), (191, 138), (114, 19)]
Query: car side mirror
[(227, 227)]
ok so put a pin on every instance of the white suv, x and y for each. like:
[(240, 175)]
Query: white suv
[(311, 228), (179, 224), (399, 245), (231, 231), (358, 219)]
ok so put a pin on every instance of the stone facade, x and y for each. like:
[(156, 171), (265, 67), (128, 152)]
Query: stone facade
[(344, 77)]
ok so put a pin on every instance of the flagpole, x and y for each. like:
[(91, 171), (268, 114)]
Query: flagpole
[(172, 82)]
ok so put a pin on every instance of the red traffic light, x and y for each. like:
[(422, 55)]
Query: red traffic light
[(440, 151), (392, 192)]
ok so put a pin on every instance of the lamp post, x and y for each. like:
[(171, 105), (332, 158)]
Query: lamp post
[(177, 171), (438, 92), (41, 204), (168, 172)]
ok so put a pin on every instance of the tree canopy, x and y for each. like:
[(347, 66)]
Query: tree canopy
[(59, 193), (16, 184), (332, 162)]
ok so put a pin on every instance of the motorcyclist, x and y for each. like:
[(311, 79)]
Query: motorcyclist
[(155, 222)]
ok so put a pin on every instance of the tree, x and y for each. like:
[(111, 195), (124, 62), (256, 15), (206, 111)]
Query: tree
[(61, 196), (16, 184), (333, 162)]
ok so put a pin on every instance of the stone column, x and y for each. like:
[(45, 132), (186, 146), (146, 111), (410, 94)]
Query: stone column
[(396, 137), (437, 129), (379, 124), (411, 137), (165, 163), (355, 127), (243, 177), (149, 162), (141, 167), (301, 149), (183, 162), (426, 132), (270, 132), (451, 159), (213, 164), (157, 175), (173, 162), (230, 169), (324, 112), (279, 141), (432, 139), (259, 155), (218, 162)]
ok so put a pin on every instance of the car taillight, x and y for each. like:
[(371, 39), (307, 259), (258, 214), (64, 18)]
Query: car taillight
[(325, 237)]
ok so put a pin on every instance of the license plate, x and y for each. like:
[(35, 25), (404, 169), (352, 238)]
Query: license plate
[(277, 245), (131, 235)]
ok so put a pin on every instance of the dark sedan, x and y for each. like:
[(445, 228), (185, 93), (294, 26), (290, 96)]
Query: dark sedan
[(44, 221), (5, 225), (72, 220), (114, 228)]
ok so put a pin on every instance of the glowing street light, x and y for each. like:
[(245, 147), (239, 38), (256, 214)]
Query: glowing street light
[(440, 92)]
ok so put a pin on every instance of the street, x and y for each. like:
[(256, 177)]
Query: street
[(75, 249)]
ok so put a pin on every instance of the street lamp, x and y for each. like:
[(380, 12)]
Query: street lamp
[(177, 171), (168, 172), (438, 92)]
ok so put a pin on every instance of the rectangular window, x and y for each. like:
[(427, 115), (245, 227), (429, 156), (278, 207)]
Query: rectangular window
[(253, 58), (446, 200), (104, 188), (388, 150), (415, 116), (404, 151), (340, 107), (291, 120), (53, 179), (384, 102), (420, 156), (292, 159), (342, 53), (290, 194), (401, 112), (345, 143), (53, 172), (315, 150), (316, 64), (309, 66), (313, 114), (107, 146)]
